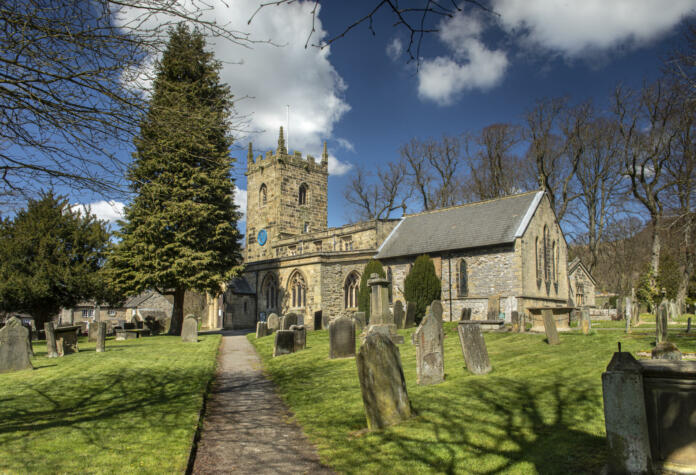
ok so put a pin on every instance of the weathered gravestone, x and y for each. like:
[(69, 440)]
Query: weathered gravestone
[(628, 313), (474, 348), (14, 347), (341, 338), (436, 309), (317, 320), (261, 329), (284, 343), (101, 337), (300, 337), (380, 315), (661, 322), (430, 353), (550, 327), (399, 315), (493, 307), (515, 321), (585, 321), (359, 319), (273, 323), (92, 331), (189, 330), (288, 320), (51, 350), (66, 339), (466, 315), (31, 345), (410, 321), (673, 310), (382, 382)]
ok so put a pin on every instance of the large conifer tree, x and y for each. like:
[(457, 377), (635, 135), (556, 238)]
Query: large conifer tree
[(180, 230)]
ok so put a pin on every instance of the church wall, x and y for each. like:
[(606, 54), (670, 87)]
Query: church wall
[(580, 277)]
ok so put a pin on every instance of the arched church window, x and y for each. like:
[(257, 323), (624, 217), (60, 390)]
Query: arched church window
[(263, 195), (298, 290), (538, 259), (269, 291), (463, 279), (350, 290), (554, 262), (302, 198)]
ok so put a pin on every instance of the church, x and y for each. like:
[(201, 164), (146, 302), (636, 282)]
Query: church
[(511, 249)]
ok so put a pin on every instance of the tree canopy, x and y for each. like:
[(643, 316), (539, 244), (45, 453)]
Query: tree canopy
[(422, 285)]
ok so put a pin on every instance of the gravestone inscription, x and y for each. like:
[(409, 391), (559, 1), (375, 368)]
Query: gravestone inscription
[(474, 348), (14, 347)]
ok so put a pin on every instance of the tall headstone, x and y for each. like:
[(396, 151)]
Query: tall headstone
[(436, 309), (410, 321), (189, 330), (493, 307), (628, 313), (341, 338), (261, 329), (430, 352), (399, 315), (101, 337), (284, 342), (515, 321), (51, 349), (382, 382), (92, 331), (379, 300), (625, 416), (273, 323), (661, 322), (29, 342), (585, 321), (474, 348), (359, 318), (14, 347), (550, 327), (317, 320), (300, 337)]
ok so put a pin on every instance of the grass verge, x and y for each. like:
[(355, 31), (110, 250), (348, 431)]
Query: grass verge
[(539, 411), (133, 408)]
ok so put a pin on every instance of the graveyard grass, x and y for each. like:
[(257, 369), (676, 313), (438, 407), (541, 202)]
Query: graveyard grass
[(539, 411), (134, 408)]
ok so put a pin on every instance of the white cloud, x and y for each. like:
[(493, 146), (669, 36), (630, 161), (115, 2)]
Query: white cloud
[(472, 65), (337, 167), (346, 144), (579, 27), (240, 199), (109, 211), (394, 49)]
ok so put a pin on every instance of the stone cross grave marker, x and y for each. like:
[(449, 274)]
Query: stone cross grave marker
[(101, 337), (550, 327), (515, 321), (436, 309), (14, 347), (382, 382), (189, 330), (51, 349), (474, 348), (317, 320), (493, 307), (261, 329), (661, 323), (300, 337), (341, 338), (359, 318), (399, 315), (585, 321), (273, 323), (410, 321), (430, 352), (284, 343)]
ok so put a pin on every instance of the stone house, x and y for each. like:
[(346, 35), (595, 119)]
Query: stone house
[(511, 248), (582, 285), (140, 306)]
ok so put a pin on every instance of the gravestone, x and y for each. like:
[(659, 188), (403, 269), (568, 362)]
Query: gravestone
[(673, 310), (31, 345), (92, 331), (436, 309), (466, 315), (493, 307), (66, 339), (661, 322), (14, 347), (341, 338), (399, 315), (325, 321), (317, 320), (273, 323), (189, 330), (410, 321), (379, 301), (101, 336), (585, 321), (261, 329), (515, 321), (628, 312), (288, 320), (550, 327), (666, 351), (430, 353), (284, 343), (382, 382), (51, 350), (359, 318), (300, 337), (474, 348)]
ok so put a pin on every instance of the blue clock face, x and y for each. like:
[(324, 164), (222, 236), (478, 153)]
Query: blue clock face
[(262, 237)]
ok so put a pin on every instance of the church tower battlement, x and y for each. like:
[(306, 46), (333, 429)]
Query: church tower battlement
[(286, 196)]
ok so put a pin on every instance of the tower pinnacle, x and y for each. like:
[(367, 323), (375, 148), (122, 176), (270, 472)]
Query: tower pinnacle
[(281, 143), (325, 154)]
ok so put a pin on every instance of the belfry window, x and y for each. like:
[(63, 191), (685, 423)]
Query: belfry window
[(302, 196)]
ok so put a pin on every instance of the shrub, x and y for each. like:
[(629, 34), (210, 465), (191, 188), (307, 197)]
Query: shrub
[(422, 285), (372, 267)]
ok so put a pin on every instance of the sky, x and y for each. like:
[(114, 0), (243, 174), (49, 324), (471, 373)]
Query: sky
[(365, 98)]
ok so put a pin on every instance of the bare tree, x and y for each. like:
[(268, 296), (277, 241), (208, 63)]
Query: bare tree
[(377, 200), (414, 157), (69, 95)]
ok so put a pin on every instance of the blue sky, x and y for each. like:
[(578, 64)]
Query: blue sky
[(367, 100)]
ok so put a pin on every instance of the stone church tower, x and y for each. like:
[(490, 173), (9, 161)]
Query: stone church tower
[(286, 196)]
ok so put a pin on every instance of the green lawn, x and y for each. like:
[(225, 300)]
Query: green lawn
[(539, 410), (133, 408)]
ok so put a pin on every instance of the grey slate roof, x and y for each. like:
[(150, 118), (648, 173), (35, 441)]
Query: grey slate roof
[(485, 223), (240, 286)]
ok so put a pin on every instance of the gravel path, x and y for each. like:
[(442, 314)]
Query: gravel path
[(247, 428)]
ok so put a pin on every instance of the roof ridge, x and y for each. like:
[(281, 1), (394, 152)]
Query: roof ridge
[(463, 205)]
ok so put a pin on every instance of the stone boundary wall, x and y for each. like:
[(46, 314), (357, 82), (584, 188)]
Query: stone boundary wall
[(602, 313)]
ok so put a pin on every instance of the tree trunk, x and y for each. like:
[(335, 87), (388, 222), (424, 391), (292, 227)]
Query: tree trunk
[(687, 266), (655, 253), (177, 312)]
